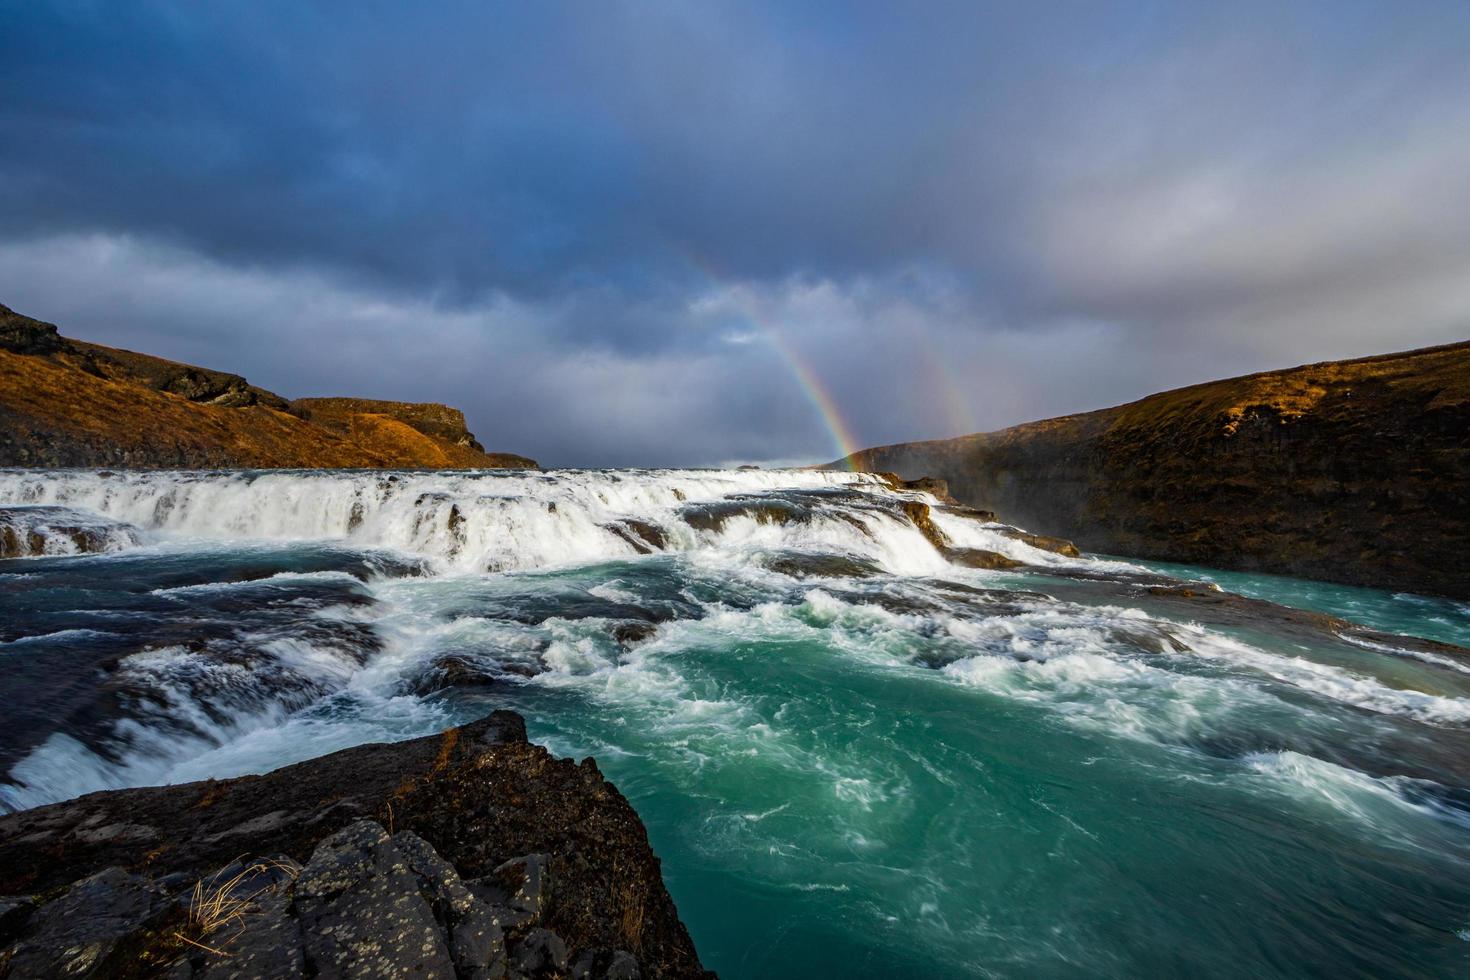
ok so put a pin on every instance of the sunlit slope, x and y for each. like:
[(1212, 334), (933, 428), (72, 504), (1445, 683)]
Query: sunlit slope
[(68, 403)]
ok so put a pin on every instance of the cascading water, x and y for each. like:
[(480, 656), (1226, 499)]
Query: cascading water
[(855, 755)]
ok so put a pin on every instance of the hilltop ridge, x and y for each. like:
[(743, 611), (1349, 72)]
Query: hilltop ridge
[(1354, 471), (66, 402)]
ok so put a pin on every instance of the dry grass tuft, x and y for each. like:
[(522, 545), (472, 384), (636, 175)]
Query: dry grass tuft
[(218, 903)]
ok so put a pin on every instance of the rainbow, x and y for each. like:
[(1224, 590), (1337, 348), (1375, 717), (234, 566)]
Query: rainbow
[(807, 379), (810, 382)]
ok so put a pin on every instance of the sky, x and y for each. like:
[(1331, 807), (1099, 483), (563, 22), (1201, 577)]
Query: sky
[(701, 233)]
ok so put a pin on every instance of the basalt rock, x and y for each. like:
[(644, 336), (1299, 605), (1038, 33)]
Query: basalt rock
[(470, 854), (645, 538), (804, 565), (1349, 471), (922, 518), (23, 335), (1059, 546), (925, 484), (980, 558), (66, 402), (454, 670), (31, 531), (713, 516), (631, 632)]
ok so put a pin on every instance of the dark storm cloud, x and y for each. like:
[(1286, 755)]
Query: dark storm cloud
[(584, 222)]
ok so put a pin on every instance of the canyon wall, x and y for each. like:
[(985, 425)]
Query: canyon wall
[(1348, 471)]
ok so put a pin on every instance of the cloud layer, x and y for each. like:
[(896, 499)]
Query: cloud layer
[(652, 233)]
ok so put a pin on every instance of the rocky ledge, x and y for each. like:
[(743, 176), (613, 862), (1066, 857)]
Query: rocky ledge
[(470, 854)]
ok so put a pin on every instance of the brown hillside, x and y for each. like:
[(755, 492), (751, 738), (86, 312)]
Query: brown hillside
[(69, 403), (1349, 471)]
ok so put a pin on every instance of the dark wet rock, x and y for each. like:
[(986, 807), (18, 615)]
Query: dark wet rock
[(919, 514), (645, 538), (630, 632), (971, 513), (14, 911), (532, 608), (454, 670), (467, 854), (32, 531), (811, 565), (1207, 603), (616, 964), (855, 520), (496, 728), (360, 911), (91, 930), (1058, 546), (542, 953), (1109, 577), (943, 598), (715, 515), (266, 940), (932, 485), (976, 594), (803, 506), (980, 558), (1184, 590), (477, 944), (451, 897), (623, 967), (527, 882)]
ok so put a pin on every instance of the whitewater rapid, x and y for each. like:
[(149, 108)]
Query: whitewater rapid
[(495, 521), (811, 701)]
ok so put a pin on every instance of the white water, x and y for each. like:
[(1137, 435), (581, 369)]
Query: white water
[(493, 521)]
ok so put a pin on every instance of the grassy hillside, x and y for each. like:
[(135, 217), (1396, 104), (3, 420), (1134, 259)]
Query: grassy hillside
[(69, 403)]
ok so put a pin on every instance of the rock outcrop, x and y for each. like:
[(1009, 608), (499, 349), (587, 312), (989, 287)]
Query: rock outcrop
[(1349, 471), (65, 402), (30, 531), (471, 854)]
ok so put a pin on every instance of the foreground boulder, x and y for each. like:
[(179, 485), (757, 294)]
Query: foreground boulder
[(471, 854)]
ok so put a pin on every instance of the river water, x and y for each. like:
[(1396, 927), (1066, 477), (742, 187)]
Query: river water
[(855, 757)]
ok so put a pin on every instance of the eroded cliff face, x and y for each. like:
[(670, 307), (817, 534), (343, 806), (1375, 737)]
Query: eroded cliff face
[(65, 402), (1348, 471)]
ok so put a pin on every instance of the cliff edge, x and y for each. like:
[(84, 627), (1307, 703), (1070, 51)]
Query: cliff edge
[(1347, 471), (66, 402)]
